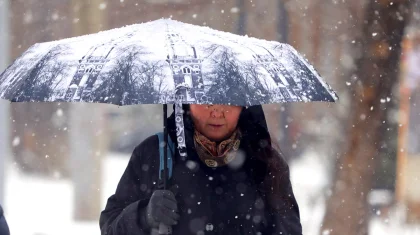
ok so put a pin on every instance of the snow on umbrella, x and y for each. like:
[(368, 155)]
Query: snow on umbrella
[(163, 62)]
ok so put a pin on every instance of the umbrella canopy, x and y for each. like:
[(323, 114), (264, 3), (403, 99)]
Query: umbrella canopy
[(155, 62), (163, 62)]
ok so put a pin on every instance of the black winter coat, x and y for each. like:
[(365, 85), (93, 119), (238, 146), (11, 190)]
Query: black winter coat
[(4, 229), (222, 200)]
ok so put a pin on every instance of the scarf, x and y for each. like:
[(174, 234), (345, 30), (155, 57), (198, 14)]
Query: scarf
[(213, 154)]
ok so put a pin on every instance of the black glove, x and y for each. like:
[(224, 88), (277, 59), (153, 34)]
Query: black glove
[(162, 208)]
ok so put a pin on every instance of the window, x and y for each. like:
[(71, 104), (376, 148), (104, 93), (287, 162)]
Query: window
[(186, 70), (89, 70)]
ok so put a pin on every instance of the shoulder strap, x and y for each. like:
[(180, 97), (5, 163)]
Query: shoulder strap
[(171, 151)]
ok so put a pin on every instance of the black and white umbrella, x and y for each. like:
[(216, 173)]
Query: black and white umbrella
[(163, 62)]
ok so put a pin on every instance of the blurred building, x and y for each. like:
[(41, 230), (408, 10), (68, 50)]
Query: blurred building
[(39, 137), (408, 173), (4, 107)]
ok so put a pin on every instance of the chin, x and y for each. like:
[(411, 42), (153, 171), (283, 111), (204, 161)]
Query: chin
[(216, 137)]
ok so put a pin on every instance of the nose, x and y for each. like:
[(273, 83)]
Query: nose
[(216, 111)]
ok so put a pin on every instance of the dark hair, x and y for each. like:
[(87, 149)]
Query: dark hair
[(275, 185)]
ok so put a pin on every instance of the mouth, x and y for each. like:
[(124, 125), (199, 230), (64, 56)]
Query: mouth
[(216, 125)]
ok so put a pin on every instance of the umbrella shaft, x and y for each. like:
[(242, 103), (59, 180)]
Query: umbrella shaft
[(165, 149)]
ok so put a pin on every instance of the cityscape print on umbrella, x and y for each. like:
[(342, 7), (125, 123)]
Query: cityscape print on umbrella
[(183, 62), (87, 73), (39, 83), (262, 80), (88, 70), (186, 69)]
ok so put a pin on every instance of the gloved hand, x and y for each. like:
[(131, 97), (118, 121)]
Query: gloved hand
[(162, 208)]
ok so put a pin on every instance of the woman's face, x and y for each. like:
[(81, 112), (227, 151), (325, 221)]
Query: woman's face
[(216, 122)]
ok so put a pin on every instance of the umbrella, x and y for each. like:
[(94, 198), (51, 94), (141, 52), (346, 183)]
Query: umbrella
[(163, 62)]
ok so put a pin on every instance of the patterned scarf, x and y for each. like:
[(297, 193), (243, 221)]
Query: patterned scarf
[(213, 154)]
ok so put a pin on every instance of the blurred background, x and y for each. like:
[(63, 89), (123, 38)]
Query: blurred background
[(355, 164)]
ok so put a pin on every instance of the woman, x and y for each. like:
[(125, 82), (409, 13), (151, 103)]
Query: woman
[(4, 229), (233, 181)]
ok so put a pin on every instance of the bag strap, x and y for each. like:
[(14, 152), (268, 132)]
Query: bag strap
[(170, 153)]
